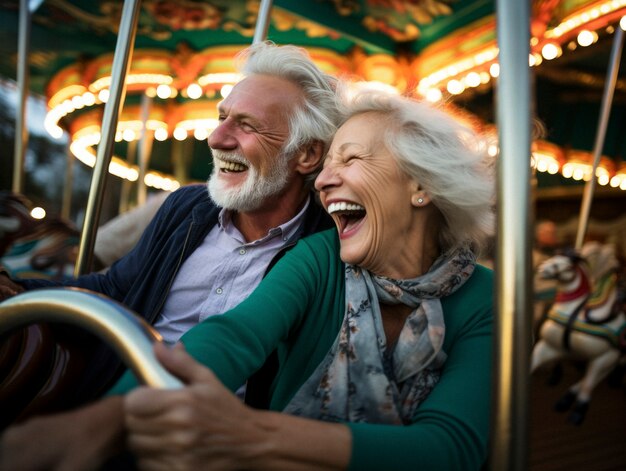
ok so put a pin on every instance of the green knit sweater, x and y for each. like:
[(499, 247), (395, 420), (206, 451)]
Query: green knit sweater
[(298, 310)]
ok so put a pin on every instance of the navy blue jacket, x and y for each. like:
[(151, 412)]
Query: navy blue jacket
[(141, 280)]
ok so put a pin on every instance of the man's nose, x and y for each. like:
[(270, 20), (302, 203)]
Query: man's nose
[(222, 137)]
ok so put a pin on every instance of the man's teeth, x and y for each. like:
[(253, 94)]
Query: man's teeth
[(232, 166), (343, 206)]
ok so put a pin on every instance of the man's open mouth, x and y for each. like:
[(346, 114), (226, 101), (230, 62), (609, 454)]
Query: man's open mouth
[(229, 166)]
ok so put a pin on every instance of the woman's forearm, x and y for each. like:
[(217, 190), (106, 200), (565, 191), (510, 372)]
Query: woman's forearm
[(295, 444)]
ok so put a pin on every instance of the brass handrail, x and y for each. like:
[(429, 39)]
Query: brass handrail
[(129, 335)]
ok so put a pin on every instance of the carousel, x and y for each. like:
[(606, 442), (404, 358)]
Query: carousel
[(133, 87)]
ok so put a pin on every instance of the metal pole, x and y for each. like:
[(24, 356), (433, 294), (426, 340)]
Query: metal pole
[(121, 65), (509, 441), (262, 22), (66, 205), (23, 78), (145, 147), (605, 111)]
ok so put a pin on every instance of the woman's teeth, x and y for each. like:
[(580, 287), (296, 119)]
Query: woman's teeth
[(343, 206)]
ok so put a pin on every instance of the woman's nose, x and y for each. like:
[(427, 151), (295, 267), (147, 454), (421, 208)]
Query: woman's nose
[(328, 177)]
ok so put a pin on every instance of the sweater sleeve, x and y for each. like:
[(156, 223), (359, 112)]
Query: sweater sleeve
[(451, 427)]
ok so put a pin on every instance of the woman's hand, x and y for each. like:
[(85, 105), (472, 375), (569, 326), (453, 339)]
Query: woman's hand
[(205, 426), (81, 439), (202, 426)]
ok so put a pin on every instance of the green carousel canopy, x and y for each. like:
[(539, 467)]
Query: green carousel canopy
[(440, 50)]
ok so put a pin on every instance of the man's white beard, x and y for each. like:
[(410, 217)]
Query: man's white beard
[(254, 191)]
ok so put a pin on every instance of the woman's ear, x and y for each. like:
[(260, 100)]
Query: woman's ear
[(310, 158)]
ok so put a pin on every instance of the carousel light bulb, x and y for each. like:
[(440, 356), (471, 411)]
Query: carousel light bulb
[(151, 92), (455, 87), (67, 107), (164, 91), (615, 181), (38, 212), (553, 169), (160, 134), (568, 171), (128, 135), (132, 175), (494, 70), (622, 185), (180, 134), (89, 99), (550, 51), (103, 95), (472, 79), (622, 23), (78, 102), (433, 95), (603, 179), (225, 90), (194, 91), (118, 136), (200, 134), (578, 174), (542, 166), (586, 38)]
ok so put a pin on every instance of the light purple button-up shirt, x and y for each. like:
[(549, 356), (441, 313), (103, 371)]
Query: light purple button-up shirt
[(220, 274)]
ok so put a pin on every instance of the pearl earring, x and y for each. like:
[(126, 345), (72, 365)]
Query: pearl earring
[(417, 200), (420, 200)]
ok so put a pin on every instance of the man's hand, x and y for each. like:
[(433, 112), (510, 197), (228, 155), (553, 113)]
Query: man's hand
[(8, 288), (78, 440), (202, 426)]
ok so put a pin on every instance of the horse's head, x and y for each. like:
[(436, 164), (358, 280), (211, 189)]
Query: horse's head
[(561, 267)]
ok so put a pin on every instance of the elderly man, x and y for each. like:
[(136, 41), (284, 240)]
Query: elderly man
[(204, 252)]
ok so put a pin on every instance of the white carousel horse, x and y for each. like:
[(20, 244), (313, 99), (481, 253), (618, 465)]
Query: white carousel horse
[(34, 248), (585, 322)]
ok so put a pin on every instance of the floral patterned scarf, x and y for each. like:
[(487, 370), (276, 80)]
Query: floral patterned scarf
[(361, 379)]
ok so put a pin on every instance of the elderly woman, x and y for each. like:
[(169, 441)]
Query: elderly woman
[(383, 327)]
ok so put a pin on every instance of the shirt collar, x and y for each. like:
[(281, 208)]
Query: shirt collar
[(285, 230)]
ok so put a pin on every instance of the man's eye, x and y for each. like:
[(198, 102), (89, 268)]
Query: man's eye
[(247, 127), (221, 118)]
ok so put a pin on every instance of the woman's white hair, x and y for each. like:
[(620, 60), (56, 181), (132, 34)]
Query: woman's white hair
[(443, 156), (316, 118)]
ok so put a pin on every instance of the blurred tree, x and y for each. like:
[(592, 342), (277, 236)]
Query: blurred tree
[(46, 158)]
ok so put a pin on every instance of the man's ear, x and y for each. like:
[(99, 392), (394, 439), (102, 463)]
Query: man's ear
[(309, 159)]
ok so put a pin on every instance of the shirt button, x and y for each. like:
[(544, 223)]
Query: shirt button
[(219, 290), (242, 251)]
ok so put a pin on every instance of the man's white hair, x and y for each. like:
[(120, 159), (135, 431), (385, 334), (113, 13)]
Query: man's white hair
[(315, 118)]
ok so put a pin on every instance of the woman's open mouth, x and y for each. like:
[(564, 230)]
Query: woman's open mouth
[(348, 216)]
